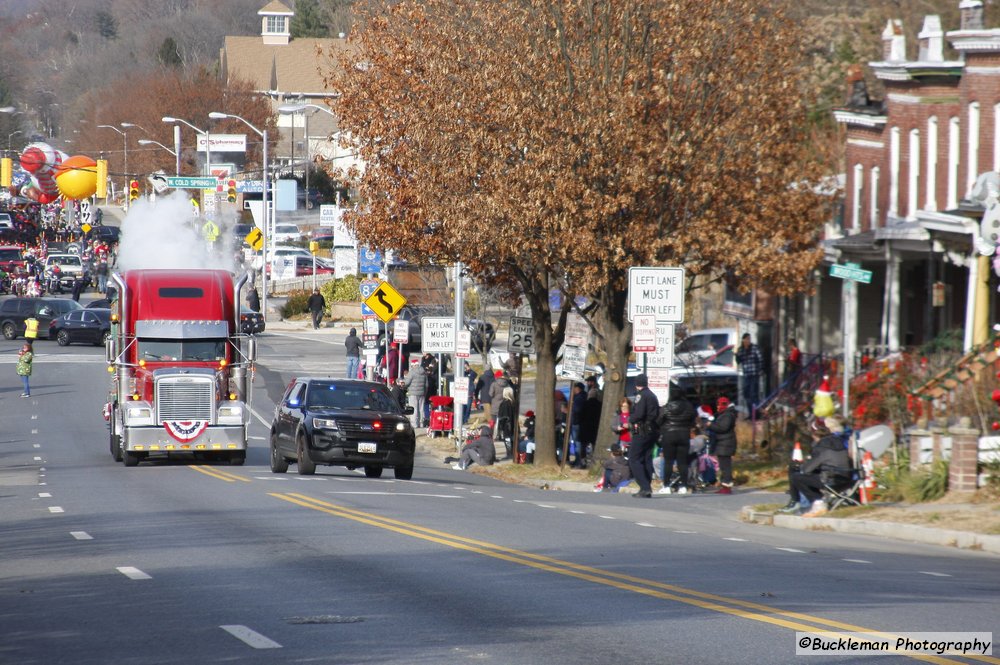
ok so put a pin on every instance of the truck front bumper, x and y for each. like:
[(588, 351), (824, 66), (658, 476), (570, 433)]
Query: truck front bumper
[(157, 439)]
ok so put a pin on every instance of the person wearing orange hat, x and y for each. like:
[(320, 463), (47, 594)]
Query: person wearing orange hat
[(724, 428)]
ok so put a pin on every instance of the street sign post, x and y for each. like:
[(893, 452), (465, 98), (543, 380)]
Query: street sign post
[(371, 261), (255, 239), (192, 183), (521, 338), (663, 356), (574, 362), (385, 301), (401, 331), (463, 344), (437, 334), (577, 331), (644, 334), (656, 291), (367, 287), (851, 271)]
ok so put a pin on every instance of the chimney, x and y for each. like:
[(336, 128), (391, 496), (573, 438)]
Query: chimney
[(857, 89), (972, 14), (931, 40), (893, 41)]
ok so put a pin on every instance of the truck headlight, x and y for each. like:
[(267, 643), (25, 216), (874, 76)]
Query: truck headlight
[(139, 416), (325, 423), (231, 414)]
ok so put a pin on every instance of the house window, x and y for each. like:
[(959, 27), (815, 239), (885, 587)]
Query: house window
[(932, 152), (894, 138), (954, 134), (973, 147), (873, 204), (737, 304), (913, 182), (996, 137), (858, 185), (276, 25)]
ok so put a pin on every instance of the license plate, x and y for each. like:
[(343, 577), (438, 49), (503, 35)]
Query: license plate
[(366, 447)]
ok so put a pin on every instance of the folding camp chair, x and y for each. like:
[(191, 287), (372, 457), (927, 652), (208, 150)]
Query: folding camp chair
[(842, 487)]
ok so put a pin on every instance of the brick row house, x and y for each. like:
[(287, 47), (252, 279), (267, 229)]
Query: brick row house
[(912, 210)]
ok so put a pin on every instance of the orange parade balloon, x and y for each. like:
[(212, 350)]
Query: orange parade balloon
[(76, 177)]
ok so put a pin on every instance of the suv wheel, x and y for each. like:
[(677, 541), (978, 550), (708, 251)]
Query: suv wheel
[(278, 462), (373, 471), (404, 472), (62, 337), (8, 331), (306, 466)]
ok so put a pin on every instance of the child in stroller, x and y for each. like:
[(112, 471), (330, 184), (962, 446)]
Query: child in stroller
[(702, 466)]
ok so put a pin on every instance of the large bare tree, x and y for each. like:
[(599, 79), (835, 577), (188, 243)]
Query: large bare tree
[(554, 144)]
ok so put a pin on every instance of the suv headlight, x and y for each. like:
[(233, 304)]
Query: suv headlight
[(325, 423)]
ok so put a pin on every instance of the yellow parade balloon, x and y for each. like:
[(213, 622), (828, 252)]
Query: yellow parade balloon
[(76, 177)]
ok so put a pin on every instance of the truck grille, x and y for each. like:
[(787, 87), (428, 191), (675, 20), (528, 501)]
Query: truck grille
[(183, 398)]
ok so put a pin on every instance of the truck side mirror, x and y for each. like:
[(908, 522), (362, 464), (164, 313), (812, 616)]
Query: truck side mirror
[(109, 350), (252, 349)]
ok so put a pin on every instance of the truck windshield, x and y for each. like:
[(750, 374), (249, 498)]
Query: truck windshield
[(182, 349)]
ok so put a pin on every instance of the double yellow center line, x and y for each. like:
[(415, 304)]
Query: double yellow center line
[(218, 474), (743, 609)]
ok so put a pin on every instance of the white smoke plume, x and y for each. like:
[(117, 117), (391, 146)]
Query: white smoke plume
[(167, 234)]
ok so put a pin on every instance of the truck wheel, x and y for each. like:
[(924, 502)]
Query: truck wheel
[(404, 472), (373, 472), (116, 444), (130, 458), (8, 331), (278, 462), (306, 466), (237, 459)]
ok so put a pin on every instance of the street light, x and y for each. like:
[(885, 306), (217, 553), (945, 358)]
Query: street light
[(289, 109), (177, 156), (128, 125), (208, 142), (215, 115), (125, 157), (10, 136)]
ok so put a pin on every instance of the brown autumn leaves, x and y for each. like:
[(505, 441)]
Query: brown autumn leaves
[(555, 144)]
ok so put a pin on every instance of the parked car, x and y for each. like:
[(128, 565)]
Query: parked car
[(699, 384), (341, 422), (86, 326), (14, 311), (100, 303), (702, 345), (286, 233), (6, 222), (251, 322), (304, 267)]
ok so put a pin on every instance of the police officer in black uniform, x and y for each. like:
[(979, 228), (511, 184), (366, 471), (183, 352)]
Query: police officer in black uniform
[(642, 422)]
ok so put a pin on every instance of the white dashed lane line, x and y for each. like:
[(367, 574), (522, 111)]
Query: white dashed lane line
[(250, 637), (790, 549), (133, 573), (855, 560), (56, 509), (646, 524), (933, 574), (81, 535), (44, 495)]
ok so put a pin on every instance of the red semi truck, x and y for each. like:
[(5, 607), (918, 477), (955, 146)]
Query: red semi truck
[(179, 366)]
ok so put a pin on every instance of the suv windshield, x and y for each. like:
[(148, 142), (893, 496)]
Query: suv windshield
[(176, 349), (333, 396), (10, 254), (67, 260)]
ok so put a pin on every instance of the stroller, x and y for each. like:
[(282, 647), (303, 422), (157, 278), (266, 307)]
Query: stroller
[(703, 467), (442, 415)]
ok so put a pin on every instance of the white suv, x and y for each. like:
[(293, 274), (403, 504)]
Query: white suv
[(70, 267)]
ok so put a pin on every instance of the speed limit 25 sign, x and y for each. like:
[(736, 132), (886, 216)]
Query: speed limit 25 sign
[(522, 335)]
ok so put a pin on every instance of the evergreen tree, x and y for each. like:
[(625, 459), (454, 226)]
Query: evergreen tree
[(107, 26), (168, 54), (309, 20)]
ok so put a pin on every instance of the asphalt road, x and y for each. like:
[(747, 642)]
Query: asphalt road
[(200, 563)]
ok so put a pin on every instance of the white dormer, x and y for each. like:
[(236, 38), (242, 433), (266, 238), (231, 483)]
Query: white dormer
[(274, 24)]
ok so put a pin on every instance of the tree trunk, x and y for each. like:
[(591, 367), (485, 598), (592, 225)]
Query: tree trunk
[(536, 291), (610, 320)]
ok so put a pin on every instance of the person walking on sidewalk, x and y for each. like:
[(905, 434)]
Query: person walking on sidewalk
[(416, 392), (353, 353), (24, 359), (316, 304), (642, 423)]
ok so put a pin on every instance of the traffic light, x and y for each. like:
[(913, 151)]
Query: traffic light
[(231, 191), (102, 179), (133, 190), (313, 246)]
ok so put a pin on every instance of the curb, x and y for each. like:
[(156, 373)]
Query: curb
[(966, 540)]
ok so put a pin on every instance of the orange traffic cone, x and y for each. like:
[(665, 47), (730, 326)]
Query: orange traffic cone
[(797, 452), (868, 487)]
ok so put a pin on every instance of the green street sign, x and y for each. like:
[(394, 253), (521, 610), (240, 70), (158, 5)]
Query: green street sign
[(853, 273), (193, 183)]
